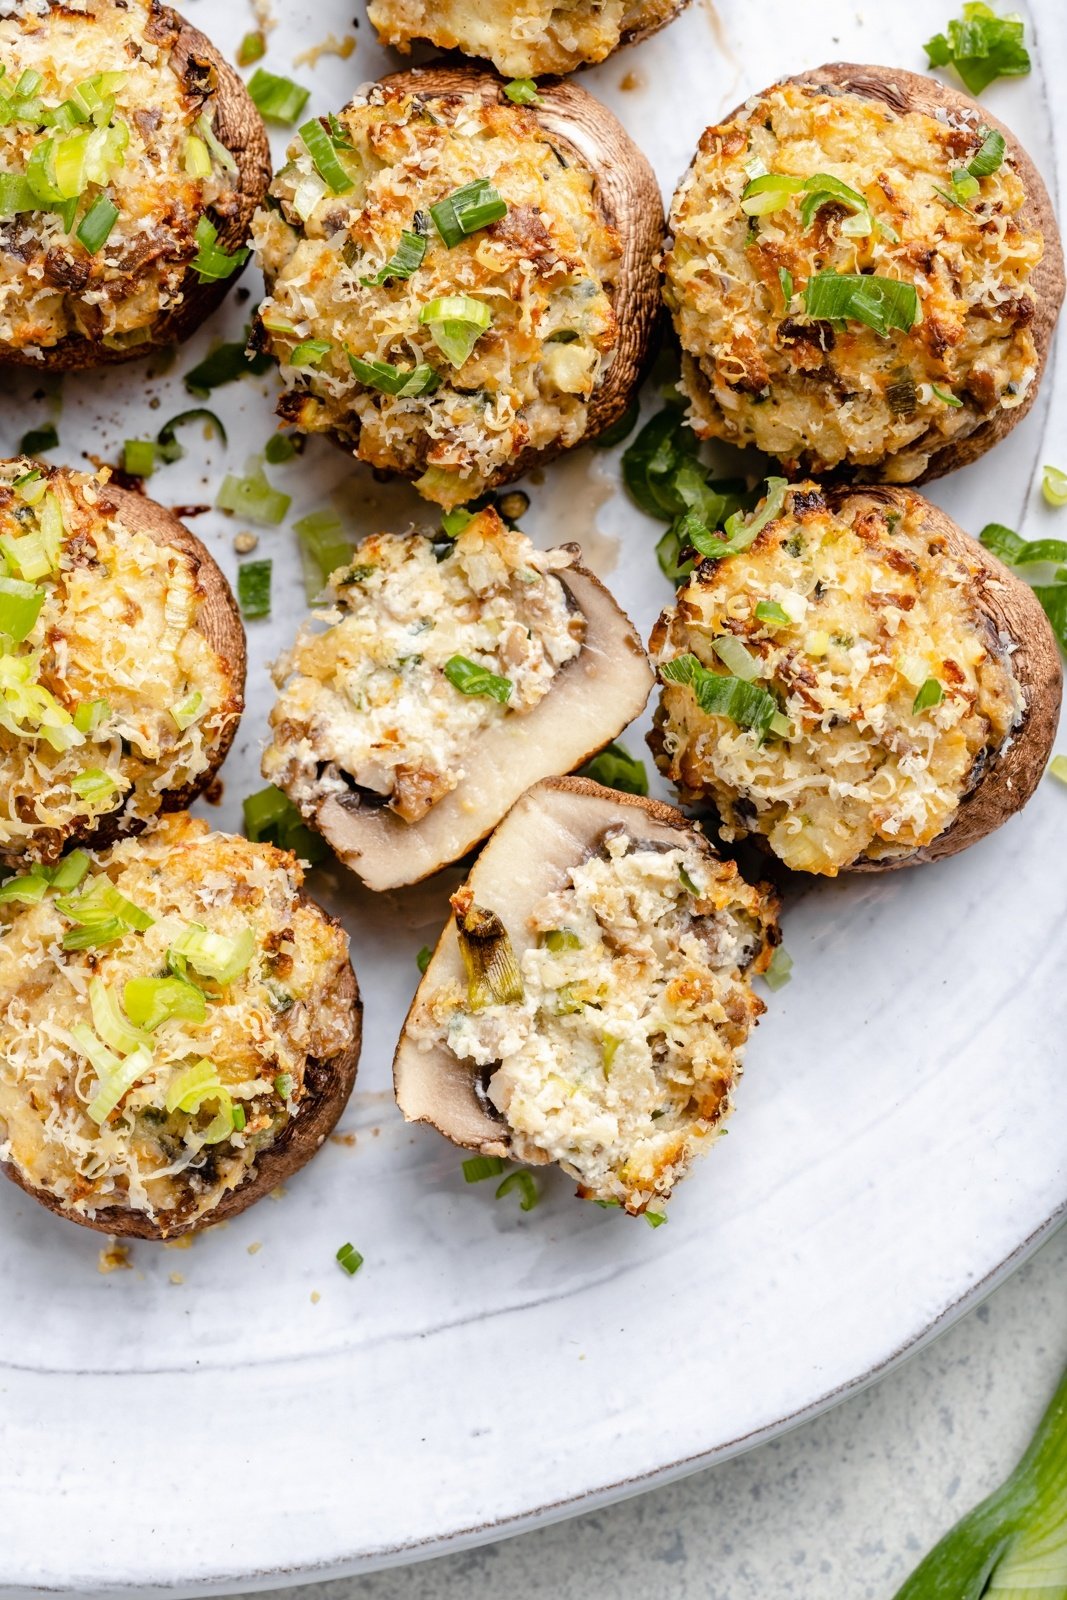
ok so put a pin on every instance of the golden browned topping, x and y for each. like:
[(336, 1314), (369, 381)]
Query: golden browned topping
[(491, 344), (867, 685), (110, 694), (146, 1064), (109, 171), (771, 361)]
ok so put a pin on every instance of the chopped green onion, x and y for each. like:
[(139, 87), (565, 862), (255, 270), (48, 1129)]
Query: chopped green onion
[(253, 588), (471, 679), (523, 1181), (31, 888), (283, 1085), (1057, 769), (28, 555), (238, 1115), (770, 192), (467, 210), (740, 532), (38, 440), (213, 955), (404, 381), (323, 549), (931, 694), (186, 711), (422, 960), (881, 303), (655, 1219), (349, 1259), (785, 279), (779, 969), (253, 47), (20, 606), (735, 658), (252, 497), (197, 158), (109, 1022), (150, 1002), (822, 190), (278, 448), (522, 92), (771, 612), (480, 1167), (69, 872), (226, 363), (95, 227), (89, 715), (456, 323), (990, 156), (210, 262), (100, 914), (271, 815), (117, 1078), (964, 186), (167, 444), (1054, 485), (320, 148), (139, 457), (687, 883), (407, 259), (723, 696), (945, 395), (454, 522), (95, 786), (617, 769), (981, 46), (189, 1089), (310, 353), (277, 99)]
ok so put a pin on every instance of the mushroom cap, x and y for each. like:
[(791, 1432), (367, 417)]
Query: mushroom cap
[(237, 125), (590, 701), (555, 825), (328, 1085)]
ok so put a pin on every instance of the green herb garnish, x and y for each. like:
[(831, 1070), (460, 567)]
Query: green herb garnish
[(617, 769)]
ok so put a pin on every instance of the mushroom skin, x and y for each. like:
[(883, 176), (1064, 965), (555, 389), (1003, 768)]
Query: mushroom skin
[(923, 457), (626, 197), (237, 125), (1000, 779), (556, 826), (565, 39)]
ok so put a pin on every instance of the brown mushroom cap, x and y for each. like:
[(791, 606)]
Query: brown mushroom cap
[(555, 825), (905, 91), (1008, 780), (237, 125), (628, 197), (590, 701), (218, 619), (647, 17), (328, 1085)]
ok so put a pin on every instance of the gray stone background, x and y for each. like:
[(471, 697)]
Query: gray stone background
[(840, 1509)]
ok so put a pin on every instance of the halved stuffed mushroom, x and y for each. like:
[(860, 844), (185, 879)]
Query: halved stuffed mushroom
[(865, 272), (448, 679), (122, 661), (523, 38), (460, 287), (858, 685), (179, 1030), (590, 1000), (133, 159)]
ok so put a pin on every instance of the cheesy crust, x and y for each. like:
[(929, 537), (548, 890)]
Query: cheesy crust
[(259, 1031), (114, 697), (368, 703), (863, 605), (544, 273), (620, 1058), (522, 38), (52, 288), (759, 371)]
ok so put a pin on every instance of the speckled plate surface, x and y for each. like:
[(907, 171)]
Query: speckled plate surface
[(240, 1414)]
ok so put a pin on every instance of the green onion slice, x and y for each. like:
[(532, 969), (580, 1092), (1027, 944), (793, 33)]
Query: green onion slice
[(277, 99), (773, 614), (422, 960), (523, 1181), (881, 303), (407, 258), (349, 1259), (116, 1078), (478, 1168), (467, 211), (770, 192), (321, 149), (931, 694), (617, 769), (323, 549), (20, 606), (982, 46), (1057, 769), (310, 353), (38, 440), (253, 47), (269, 814), (95, 786), (739, 531), (522, 92), (735, 658), (94, 229), (210, 262), (1054, 486), (139, 457), (990, 156), (779, 970), (456, 323), (149, 1002), (167, 444), (253, 497), (407, 382), (723, 696), (226, 363), (212, 955), (114, 1028), (253, 588), (471, 679)]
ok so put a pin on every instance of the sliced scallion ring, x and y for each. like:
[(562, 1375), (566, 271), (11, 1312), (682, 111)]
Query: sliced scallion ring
[(310, 353), (402, 381), (735, 658), (139, 457), (881, 303), (720, 695), (468, 210), (95, 227), (20, 606), (320, 147), (456, 323), (406, 259), (1054, 486), (211, 263), (277, 99)]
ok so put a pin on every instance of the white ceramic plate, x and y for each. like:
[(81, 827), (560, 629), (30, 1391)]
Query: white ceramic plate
[(898, 1140)]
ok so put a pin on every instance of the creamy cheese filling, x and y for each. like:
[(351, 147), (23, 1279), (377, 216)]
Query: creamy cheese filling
[(521, 37), (619, 1060), (51, 285), (257, 1032), (870, 615), (540, 276), (113, 696), (384, 699), (760, 371)]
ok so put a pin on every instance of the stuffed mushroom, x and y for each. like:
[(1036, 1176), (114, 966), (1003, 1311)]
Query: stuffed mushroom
[(179, 1029), (590, 1000), (864, 273), (523, 38), (132, 162), (857, 684), (122, 661), (460, 287), (449, 678)]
